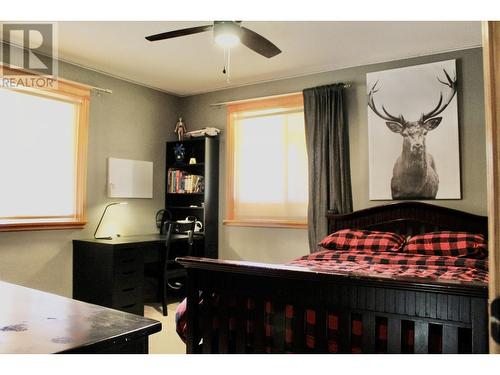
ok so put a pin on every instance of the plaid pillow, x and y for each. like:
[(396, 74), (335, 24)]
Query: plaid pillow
[(457, 244), (355, 239)]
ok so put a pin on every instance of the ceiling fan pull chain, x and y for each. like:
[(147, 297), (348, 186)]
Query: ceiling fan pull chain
[(225, 60), (228, 78)]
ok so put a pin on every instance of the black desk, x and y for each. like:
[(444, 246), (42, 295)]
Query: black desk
[(111, 272), (36, 322)]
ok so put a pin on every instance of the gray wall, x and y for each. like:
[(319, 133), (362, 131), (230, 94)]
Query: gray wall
[(277, 245), (133, 123)]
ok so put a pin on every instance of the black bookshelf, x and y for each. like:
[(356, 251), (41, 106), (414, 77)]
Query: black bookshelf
[(184, 199)]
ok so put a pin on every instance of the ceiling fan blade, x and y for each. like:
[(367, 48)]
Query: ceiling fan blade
[(176, 33), (258, 43)]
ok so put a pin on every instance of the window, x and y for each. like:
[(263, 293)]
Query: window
[(267, 163), (43, 142)]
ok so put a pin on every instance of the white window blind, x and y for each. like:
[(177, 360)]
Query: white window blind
[(41, 160), (269, 164), (37, 156)]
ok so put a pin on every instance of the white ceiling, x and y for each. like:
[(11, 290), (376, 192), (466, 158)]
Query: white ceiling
[(193, 64)]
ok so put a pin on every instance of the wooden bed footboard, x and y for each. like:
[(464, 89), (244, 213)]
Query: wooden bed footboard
[(263, 308), (366, 313)]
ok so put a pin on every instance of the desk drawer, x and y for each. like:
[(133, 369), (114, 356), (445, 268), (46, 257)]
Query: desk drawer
[(128, 279), (128, 275), (129, 299), (128, 266), (126, 258)]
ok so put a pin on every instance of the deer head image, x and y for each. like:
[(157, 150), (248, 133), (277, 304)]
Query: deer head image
[(414, 173)]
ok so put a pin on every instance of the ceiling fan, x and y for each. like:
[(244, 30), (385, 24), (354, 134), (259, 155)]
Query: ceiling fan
[(227, 34)]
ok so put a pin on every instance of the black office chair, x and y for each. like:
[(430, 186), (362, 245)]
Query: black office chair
[(170, 269)]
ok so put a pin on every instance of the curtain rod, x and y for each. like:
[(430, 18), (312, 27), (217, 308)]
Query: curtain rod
[(100, 90), (345, 85)]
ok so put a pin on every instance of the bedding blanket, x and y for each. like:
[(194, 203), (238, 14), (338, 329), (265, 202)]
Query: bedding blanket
[(400, 266)]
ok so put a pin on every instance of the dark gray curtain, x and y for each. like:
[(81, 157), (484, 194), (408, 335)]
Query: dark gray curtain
[(327, 141)]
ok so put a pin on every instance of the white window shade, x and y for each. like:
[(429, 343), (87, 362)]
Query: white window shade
[(38, 158), (269, 165)]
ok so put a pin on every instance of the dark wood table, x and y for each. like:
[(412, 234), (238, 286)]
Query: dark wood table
[(36, 322)]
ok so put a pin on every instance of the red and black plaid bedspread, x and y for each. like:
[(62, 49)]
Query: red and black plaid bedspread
[(396, 265), (361, 263)]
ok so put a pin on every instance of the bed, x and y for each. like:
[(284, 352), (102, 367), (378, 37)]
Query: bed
[(248, 307)]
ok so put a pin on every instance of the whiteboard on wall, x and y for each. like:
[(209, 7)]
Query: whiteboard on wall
[(130, 178)]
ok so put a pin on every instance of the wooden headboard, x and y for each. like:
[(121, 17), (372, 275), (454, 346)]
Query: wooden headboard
[(409, 218)]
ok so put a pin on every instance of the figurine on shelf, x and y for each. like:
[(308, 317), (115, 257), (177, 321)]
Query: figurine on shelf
[(180, 129)]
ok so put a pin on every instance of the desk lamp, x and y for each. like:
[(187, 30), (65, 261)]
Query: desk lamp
[(100, 220)]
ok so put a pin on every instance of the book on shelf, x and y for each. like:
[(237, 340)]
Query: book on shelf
[(182, 182)]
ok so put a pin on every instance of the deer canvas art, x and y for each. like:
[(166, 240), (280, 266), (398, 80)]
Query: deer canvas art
[(413, 132)]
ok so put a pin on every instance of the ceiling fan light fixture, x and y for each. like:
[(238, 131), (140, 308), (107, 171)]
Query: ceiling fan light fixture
[(227, 40), (227, 34)]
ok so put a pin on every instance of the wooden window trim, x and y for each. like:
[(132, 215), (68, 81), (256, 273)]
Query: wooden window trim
[(288, 101), (266, 223), (78, 94)]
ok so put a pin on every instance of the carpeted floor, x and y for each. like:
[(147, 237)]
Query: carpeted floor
[(166, 341)]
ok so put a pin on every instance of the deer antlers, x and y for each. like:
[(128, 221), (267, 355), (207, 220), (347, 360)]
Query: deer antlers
[(452, 84), (399, 119)]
